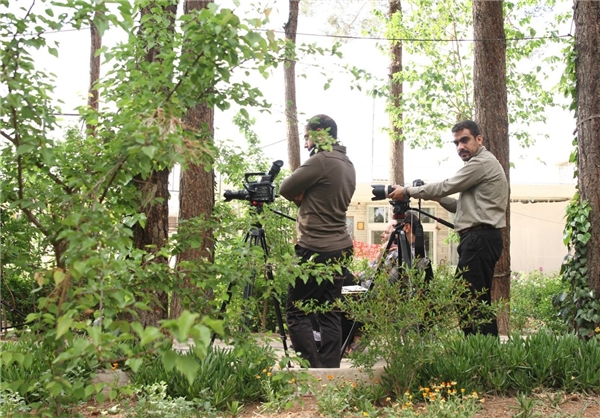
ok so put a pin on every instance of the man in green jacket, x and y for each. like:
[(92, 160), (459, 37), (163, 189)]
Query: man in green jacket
[(322, 188)]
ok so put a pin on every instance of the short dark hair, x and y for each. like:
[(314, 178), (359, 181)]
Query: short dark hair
[(411, 217), (467, 124), (325, 123)]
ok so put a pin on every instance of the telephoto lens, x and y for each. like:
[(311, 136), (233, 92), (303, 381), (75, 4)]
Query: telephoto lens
[(381, 191)]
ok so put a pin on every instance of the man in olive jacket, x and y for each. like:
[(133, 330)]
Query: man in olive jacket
[(322, 188), (480, 213)]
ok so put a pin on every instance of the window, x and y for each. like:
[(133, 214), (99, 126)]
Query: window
[(379, 214)]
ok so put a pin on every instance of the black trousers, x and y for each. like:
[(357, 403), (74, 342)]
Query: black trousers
[(299, 324), (478, 253)]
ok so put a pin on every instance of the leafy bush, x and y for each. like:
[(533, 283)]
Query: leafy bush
[(224, 376), (407, 323), (531, 307)]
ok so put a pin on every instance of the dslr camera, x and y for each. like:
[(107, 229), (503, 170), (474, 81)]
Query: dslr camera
[(257, 190), (381, 192)]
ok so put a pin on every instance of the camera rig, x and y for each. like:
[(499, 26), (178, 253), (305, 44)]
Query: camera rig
[(257, 191), (380, 192)]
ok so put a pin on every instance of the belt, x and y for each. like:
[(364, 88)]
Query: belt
[(465, 231)]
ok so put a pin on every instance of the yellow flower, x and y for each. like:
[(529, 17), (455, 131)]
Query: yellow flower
[(353, 384), (264, 370), (365, 414), (453, 383), (330, 376), (257, 376), (426, 390), (597, 329), (462, 390), (115, 366), (482, 400)]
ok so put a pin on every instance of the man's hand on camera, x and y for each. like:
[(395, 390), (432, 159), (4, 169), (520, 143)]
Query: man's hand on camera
[(397, 194)]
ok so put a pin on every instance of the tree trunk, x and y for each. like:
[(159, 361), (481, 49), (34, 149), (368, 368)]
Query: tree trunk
[(587, 47), (491, 113), (289, 79), (154, 235), (96, 44), (196, 194), (396, 144)]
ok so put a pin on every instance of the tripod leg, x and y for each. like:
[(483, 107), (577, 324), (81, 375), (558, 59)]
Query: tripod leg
[(349, 338), (229, 294), (278, 314)]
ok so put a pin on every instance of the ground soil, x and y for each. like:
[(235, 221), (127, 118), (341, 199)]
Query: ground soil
[(548, 405)]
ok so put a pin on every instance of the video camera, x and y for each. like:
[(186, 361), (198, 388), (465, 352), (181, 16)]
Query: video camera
[(381, 192), (262, 190)]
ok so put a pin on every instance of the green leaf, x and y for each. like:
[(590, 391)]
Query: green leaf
[(63, 324), (58, 276), (24, 149), (188, 366), (134, 363), (95, 334), (185, 323), (169, 358), (149, 150), (150, 334)]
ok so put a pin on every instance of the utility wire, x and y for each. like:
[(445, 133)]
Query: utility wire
[(376, 38), (372, 38)]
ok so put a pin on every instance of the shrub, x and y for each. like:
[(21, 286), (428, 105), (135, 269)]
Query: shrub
[(539, 361), (531, 305), (408, 325), (224, 376)]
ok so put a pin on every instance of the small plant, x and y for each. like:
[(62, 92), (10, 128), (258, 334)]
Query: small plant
[(11, 403), (526, 406), (153, 401), (335, 399)]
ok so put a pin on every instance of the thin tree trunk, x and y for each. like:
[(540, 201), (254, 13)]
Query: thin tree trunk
[(93, 95), (491, 113), (289, 78), (396, 144), (587, 47)]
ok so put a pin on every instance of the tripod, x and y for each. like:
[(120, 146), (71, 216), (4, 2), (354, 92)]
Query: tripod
[(256, 237), (398, 237)]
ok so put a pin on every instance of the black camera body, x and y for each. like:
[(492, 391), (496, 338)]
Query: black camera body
[(259, 191)]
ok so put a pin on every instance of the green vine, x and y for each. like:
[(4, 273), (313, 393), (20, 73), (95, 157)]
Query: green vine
[(579, 307)]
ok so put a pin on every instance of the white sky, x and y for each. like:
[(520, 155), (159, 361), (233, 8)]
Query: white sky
[(360, 118)]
